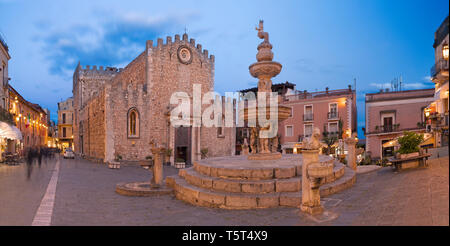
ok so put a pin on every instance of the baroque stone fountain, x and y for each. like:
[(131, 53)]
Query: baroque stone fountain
[(263, 138), (263, 178)]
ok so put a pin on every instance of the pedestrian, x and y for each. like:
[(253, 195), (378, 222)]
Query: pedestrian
[(39, 156), (29, 159)]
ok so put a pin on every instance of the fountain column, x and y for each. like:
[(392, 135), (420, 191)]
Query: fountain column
[(265, 69), (157, 179), (351, 151)]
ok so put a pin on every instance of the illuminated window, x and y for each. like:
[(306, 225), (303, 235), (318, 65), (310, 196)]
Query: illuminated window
[(133, 123)]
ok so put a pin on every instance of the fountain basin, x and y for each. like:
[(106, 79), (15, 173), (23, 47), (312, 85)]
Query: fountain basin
[(247, 113), (320, 169), (268, 69)]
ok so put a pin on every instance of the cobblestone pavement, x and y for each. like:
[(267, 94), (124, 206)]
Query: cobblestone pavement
[(20, 197), (85, 195)]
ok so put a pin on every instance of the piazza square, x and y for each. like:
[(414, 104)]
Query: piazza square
[(164, 115)]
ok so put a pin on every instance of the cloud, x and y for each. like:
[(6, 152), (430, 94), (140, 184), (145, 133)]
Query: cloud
[(410, 86), (417, 85), (381, 85), (115, 41)]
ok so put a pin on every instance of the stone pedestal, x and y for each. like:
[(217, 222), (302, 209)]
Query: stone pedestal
[(313, 175), (157, 179), (351, 154), (310, 197)]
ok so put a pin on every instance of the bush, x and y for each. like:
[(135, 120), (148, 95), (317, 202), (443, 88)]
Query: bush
[(409, 142)]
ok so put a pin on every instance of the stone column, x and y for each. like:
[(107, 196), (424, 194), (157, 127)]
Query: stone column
[(310, 200), (158, 176), (351, 152)]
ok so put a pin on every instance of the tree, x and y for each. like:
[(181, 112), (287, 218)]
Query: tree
[(409, 142), (329, 138)]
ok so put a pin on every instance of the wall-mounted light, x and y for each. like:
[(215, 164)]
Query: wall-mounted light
[(445, 51)]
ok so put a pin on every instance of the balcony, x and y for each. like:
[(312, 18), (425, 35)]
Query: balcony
[(440, 66), (333, 115), (308, 117), (387, 128), (5, 116)]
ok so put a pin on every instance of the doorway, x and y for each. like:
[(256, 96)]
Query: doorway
[(183, 144)]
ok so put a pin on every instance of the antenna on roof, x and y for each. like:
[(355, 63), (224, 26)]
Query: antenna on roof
[(401, 79)]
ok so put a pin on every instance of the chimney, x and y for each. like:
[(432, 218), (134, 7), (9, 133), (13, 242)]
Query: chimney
[(326, 90)]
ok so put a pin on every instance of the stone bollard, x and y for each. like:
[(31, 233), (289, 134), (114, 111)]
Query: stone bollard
[(351, 154), (157, 179)]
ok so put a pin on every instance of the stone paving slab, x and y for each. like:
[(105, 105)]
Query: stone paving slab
[(85, 195), (367, 169)]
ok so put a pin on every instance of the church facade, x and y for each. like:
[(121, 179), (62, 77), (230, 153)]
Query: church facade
[(119, 112)]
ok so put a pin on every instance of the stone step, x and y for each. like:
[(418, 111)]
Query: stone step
[(229, 200), (266, 171), (251, 186)]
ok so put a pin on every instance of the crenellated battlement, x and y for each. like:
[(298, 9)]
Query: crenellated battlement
[(184, 39), (99, 70)]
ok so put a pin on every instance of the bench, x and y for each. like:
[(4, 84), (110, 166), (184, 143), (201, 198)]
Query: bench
[(409, 162)]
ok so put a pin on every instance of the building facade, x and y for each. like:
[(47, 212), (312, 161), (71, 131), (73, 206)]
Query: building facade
[(389, 114), (119, 112), (332, 111), (65, 124), (4, 79), (437, 111), (30, 119)]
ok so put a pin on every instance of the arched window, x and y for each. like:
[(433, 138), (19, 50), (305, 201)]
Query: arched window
[(133, 123)]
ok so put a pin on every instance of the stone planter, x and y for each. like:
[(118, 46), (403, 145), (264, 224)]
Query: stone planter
[(180, 164), (404, 156), (114, 165)]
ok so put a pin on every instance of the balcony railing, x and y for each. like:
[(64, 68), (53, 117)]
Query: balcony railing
[(333, 115), (441, 65), (308, 117), (387, 128)]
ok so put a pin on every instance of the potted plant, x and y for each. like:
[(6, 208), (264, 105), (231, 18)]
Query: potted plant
[(168, 155), (409, 144), (180, 163), (147, 163), (204, 153), (116, 163)]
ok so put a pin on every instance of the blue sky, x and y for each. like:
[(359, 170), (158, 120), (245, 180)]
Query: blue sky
[(319, 43)]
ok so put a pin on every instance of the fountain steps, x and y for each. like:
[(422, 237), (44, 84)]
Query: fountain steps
[(227, 184), (197, 194), (255, 170)]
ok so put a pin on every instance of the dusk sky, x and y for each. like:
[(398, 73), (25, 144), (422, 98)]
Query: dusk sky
[(319, 43)]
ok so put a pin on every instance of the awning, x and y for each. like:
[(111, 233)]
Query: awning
[(429, 142), (391, 143), (9, 131)]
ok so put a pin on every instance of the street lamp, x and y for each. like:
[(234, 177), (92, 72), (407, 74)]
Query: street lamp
[(445, 51)]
